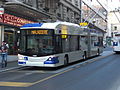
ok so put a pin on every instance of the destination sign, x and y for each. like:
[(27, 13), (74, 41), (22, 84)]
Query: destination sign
[(39, 32)]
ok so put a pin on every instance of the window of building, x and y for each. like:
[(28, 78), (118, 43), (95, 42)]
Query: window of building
[(115, 27), (76, 2)]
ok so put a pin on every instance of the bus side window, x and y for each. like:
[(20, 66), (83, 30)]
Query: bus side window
[(58, 44), (66, 44)]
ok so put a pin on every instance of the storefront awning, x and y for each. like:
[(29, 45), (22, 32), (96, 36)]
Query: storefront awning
[(26, 10)]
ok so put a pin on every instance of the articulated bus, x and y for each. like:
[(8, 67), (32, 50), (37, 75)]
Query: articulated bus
[(116, 43), (56, 44)]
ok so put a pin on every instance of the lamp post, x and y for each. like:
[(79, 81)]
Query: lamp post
[(1, 27)]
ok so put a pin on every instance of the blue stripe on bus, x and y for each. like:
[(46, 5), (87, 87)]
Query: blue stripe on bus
[(52, 60), (32, 25), (26, 58), (115, 43), (21, 62)]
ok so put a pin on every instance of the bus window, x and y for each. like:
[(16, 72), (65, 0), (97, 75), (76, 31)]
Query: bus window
[(58, 44), (100, 40), (65, 44), (74, 43), (83, 43), (40, 45), (94, 41)]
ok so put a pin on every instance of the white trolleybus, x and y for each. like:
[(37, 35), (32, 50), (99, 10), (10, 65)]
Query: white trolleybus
[(116, 43), (56, 44)]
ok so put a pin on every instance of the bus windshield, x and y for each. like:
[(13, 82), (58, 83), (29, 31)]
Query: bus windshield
[(36, 44)]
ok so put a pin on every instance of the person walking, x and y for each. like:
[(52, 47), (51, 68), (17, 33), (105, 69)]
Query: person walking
[(4, 50)]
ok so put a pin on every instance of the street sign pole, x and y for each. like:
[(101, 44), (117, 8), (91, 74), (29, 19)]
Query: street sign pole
[(1, 13)]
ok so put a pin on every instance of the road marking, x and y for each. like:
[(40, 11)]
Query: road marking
[(51, 76), (15, 84), (70, 69), (21, 84)]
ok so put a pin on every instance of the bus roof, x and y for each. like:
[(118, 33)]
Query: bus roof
[(47, 25)]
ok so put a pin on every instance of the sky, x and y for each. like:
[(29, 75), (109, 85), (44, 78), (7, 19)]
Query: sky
[(112, 4)]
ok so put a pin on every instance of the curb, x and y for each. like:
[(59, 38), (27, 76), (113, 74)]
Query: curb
[(8, 69)]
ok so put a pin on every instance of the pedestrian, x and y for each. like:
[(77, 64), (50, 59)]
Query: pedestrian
[(4, 50)]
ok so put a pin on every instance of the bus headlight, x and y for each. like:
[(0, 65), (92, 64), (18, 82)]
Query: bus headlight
[(52, 60), (21, 58)]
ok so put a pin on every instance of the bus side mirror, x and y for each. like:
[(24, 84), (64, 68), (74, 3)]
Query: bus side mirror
[(96, 43)]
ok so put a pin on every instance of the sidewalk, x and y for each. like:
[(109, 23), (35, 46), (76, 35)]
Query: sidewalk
[(12, 63), (12, 58)]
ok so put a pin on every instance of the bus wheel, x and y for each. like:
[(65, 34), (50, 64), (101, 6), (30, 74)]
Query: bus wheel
[(85, 55), (117, 52), (65, 60)]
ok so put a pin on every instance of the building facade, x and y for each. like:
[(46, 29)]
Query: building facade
[(113, 18), (114, 22), (69, 10), (63, 10)]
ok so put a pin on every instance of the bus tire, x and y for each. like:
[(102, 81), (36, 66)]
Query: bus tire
[(98, 52), (117, 52), (66, 60), (85, 55)]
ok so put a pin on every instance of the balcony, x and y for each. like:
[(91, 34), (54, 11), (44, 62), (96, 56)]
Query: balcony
[(23, 9)]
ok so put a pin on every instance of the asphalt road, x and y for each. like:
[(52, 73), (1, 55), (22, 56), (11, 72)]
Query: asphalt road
[(103, 74)]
